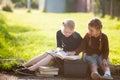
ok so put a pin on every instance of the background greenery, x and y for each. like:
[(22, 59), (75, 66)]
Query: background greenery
[(25, 35)]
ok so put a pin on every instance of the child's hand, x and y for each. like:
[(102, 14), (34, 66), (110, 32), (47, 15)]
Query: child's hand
[(104, 62), (71, 53), (58, 49)]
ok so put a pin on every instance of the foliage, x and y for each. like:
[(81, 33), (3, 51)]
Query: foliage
[(23, 3), (24, 36), (7, 8)]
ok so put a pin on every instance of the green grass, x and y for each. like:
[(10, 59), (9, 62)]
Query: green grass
[(31, 34)]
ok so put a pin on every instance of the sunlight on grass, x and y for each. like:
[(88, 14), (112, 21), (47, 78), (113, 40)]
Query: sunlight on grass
[(36, 32)]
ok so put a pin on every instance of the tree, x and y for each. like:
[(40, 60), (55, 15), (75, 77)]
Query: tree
[(29, 5)]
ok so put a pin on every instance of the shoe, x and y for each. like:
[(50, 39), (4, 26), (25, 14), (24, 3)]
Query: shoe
[(18, 67), (95, 76), (107, 77), (25, 71)]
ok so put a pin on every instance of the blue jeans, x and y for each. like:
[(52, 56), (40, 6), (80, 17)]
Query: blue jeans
[(95, 59)]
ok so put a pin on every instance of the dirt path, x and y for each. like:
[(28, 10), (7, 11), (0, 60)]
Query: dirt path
[(20, 77), (12, 76)]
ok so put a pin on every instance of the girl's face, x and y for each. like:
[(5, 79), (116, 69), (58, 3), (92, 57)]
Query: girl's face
[(93, 31), (67, 31)]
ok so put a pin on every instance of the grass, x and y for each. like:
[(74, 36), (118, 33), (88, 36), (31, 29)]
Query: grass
[(30, 34)]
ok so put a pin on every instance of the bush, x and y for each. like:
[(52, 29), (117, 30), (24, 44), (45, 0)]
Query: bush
[(6, 41), (7, 8)]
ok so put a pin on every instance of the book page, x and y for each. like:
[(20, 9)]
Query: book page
[(72, 57), (64, 55), (61, 54)]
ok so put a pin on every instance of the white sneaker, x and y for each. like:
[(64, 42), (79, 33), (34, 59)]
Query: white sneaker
[(108, 77), (95, 76)]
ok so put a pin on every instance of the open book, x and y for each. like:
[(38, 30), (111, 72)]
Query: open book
[(64, 55)]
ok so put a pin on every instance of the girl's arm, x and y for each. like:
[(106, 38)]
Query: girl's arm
[(59, 49), (83, 45), (105, 47), (58, 41)]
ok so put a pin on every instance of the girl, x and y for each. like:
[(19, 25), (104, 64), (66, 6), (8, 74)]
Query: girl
[(67, 40), (95, 45)]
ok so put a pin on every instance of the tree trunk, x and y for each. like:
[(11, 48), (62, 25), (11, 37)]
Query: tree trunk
[(29, 5), (103, 8), (111, 9)]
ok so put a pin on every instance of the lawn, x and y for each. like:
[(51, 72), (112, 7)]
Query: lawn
[(34, 33)]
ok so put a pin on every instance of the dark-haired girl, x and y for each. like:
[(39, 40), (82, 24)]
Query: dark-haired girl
[(95, 45)]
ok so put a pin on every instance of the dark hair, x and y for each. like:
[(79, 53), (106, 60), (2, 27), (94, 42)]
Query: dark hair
[(96, 23)]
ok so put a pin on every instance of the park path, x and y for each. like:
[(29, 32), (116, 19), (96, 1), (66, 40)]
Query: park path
[(20, 77)]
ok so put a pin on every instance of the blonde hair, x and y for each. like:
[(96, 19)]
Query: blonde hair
[(69, 23)]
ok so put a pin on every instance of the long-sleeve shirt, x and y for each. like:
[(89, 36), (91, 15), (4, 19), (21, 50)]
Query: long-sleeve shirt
[(68, 43), (94, 47)]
